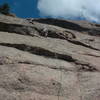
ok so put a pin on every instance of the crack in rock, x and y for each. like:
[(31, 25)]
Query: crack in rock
[(83, 66), (40, 51)]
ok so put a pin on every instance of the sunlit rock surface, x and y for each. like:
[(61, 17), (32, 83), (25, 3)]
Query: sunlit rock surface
[(49, 59)]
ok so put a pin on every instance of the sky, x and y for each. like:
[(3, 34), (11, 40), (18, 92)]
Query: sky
[(23, 8), (66, 9)]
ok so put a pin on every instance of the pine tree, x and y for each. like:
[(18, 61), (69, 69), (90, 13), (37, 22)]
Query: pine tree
[(5, 9)]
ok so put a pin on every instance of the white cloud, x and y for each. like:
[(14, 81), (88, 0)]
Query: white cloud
[(88, 9)]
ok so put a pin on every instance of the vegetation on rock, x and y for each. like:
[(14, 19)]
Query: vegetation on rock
[(5, 9)]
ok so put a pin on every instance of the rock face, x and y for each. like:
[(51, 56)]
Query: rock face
[(49, 59)]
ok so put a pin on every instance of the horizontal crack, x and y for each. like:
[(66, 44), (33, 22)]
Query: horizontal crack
[(18, 29), (83, 66), (60, 23), (40, 51), (82, 44)]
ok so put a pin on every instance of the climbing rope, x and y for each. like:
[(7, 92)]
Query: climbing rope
[(60, 85)]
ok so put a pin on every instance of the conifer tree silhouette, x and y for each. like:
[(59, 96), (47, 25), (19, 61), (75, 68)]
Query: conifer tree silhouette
[(5, 9)]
